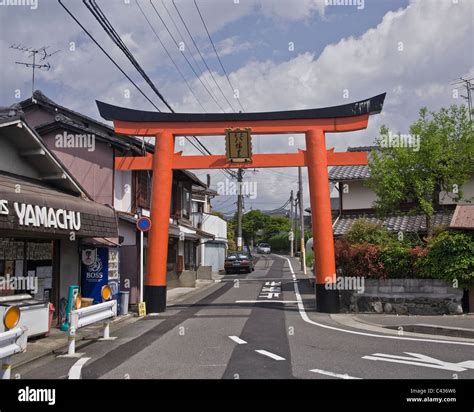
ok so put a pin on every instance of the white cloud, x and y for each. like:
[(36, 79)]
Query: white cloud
[(406, 55), (435, 37)]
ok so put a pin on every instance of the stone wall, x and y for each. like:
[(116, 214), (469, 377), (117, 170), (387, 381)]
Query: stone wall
[(404, 297)]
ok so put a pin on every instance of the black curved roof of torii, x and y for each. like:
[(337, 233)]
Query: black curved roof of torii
[(369, 106)]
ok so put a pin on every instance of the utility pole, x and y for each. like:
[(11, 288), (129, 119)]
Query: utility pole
[(300, 199), (467, 83), (239, 209), (295, 224), (292, 232)]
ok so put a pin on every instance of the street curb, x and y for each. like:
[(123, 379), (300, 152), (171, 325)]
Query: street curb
[(436, 330), (82, 342), (352, 321)]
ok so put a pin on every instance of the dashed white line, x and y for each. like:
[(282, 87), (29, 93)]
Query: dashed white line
[(75, 371), (305, 317), (335, 375), (269, 354), (236, 339)]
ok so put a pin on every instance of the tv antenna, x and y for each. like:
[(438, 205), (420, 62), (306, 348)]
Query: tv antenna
[(41, 53)]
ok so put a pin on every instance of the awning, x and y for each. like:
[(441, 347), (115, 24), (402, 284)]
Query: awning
[(31, 208)]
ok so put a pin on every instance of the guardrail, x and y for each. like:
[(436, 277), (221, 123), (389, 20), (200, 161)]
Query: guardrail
[(79, 318), (11, 342)]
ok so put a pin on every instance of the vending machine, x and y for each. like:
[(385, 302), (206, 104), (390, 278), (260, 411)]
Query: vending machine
[(99, 267)]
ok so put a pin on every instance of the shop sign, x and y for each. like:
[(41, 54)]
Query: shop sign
[(43, 216)]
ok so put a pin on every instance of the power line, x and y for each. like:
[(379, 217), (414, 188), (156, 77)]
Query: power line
[(186, 45), (187, 60), (169, 55), (117, 40), (200, 54), (107, 54), (109, 29), (217, 55)]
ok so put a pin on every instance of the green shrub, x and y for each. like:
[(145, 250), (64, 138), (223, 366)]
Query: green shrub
[(451, 257), (279, 242), (309, 257), (397, 260), (362, 231)]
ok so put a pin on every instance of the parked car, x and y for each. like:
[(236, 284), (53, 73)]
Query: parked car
[(237, 262), (264, 248)]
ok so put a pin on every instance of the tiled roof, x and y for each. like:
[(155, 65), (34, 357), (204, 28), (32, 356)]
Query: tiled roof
[(65, 116), (404, 223), (463, 217), (361, 148), (338, 173)]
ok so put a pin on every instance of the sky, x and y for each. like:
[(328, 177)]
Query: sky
[(278, 54)]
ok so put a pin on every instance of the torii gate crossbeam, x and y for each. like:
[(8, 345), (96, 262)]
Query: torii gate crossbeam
[(314, 123)]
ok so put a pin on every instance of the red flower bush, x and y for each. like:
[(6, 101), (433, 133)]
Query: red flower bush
[(359, 260)]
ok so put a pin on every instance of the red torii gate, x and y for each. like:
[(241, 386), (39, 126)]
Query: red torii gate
[(314, 123)]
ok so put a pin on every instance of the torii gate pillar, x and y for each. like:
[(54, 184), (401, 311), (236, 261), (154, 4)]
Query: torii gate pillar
[(327, 298), (155, 282)]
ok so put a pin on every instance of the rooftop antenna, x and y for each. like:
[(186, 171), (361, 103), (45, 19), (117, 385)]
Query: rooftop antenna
[(43, 55)]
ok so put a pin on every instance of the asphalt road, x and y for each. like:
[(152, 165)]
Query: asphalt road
[(258, 325)]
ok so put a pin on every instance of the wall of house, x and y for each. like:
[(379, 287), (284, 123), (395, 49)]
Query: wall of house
[(468, 190), (215, 225), (358, 197), (123, 191), (93, 169)]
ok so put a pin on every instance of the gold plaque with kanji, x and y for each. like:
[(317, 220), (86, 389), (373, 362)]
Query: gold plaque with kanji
[(238, 145)]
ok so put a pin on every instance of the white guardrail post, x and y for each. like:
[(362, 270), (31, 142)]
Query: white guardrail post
[(11, 342), (86, 316)]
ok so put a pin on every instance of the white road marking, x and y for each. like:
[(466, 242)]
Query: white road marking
[(269, 354), (422, 360), (336, 375), (75, 371), (266, 301), (236, 339), (305, 317)]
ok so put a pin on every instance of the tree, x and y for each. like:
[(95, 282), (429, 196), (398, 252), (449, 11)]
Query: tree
[(440, 159), (276, 225), (252, 222)]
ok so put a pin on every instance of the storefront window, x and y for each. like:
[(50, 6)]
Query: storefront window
[(24, 259)]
